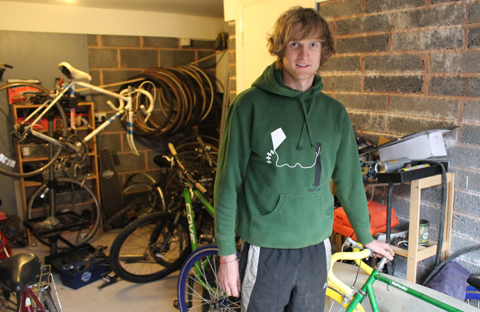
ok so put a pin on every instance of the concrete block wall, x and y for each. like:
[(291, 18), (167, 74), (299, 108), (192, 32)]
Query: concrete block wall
[(403, 66), (114, 59), (232, 83)]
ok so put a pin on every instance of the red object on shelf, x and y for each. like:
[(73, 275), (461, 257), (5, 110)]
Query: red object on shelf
[(7, 247), (378, 220)]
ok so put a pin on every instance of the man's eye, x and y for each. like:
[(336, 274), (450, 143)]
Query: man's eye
[(314, 45), (294, 44)]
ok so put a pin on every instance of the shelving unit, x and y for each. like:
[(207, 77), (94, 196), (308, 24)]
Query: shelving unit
[(416, 252), (37, 154)]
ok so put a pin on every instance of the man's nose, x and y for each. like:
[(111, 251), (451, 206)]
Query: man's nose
[(303, 52)]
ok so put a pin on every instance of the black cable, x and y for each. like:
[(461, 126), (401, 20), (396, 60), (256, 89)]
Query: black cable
[(449, 259), (441, 230)]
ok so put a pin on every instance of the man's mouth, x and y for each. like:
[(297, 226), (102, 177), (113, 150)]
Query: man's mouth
[(302, 65)]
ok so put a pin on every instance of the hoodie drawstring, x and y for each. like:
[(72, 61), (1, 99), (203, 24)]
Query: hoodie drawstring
[(305, 127)]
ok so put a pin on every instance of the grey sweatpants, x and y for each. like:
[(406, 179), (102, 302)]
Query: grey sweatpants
[(284, 280)]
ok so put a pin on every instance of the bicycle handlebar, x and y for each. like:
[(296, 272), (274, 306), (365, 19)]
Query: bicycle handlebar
[(356, 255), (172, 149), (200, 187), (6, 65)]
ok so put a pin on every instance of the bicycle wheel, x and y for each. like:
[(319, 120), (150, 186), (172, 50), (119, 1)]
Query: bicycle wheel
[(333, 302), (197, 288), (18, 102), (150, 248), (77, 213)]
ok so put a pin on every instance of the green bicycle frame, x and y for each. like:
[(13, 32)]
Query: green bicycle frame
[(188, 194), (367, 289)]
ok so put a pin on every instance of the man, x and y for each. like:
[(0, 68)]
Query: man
[(283, 142)]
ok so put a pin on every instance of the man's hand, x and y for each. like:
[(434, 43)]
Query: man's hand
[(379, 249), (229, 275)]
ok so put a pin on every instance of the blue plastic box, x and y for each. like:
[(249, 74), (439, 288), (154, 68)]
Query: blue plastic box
[(85, 277)]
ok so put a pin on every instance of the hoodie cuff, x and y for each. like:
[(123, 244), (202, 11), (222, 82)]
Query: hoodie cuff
[(364, 237), (226, 248)]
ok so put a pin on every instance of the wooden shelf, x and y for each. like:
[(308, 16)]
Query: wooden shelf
[(416, 252)]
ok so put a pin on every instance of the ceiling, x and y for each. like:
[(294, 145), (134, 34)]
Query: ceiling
[(207, 8)]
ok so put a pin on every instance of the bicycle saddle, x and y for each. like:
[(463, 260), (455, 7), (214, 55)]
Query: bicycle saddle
[(73, 73), (19, 270), (161, 162), (474, 281)]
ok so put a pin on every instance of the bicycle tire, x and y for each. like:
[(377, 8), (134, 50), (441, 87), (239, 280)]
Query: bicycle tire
[(71, 200), (142, 183), (191, 295), (125, 216), (17, 141), (335, 304), (134, 255)]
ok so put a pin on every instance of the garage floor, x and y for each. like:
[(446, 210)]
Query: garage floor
[(121, 296), (159, 295)]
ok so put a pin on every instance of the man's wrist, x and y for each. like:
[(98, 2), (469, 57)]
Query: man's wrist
[(228, 259)]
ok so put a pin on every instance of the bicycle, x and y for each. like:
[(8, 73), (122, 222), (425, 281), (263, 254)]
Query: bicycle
[(39, 101), (31, 284), (157, 244), (142, 194), (37, 111), (345, 298)]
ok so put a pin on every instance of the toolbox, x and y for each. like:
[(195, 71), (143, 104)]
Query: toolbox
[(75, 280), (79, 266), (378, 220)]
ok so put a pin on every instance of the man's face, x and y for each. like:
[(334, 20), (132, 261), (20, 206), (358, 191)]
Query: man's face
[(301, 60)]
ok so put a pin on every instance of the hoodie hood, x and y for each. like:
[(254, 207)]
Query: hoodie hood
[(271, 80)]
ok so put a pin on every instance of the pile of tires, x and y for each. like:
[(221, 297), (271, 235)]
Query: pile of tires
[(184, 96)]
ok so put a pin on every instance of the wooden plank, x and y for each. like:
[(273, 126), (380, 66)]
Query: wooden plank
[(412, 258)]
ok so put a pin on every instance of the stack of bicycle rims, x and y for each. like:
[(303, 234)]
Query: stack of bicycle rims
[(184, 96)]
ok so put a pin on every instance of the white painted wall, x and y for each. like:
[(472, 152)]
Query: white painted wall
[(229, 9), (79, 20), (254, 20)]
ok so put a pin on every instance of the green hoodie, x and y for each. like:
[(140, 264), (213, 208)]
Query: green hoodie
[(280, 149)]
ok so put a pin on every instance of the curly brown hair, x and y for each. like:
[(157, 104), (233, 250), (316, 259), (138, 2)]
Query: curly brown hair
[(313, 24)]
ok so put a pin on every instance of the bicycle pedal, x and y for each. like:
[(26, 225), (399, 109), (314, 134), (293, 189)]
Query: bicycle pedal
[(175, 305)]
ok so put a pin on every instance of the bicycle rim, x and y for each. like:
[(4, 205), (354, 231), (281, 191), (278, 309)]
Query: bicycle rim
[(48, 302), (16, 141), (77, 210), (140, 253), (197, 288)]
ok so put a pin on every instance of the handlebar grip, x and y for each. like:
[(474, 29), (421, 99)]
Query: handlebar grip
[(200, 187), (172, 149), (6, 65)]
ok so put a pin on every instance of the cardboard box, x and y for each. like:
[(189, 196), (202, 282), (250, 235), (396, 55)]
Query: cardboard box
[(421, 145)]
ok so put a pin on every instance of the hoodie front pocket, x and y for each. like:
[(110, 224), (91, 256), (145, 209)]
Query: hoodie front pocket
[(297, 221)]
